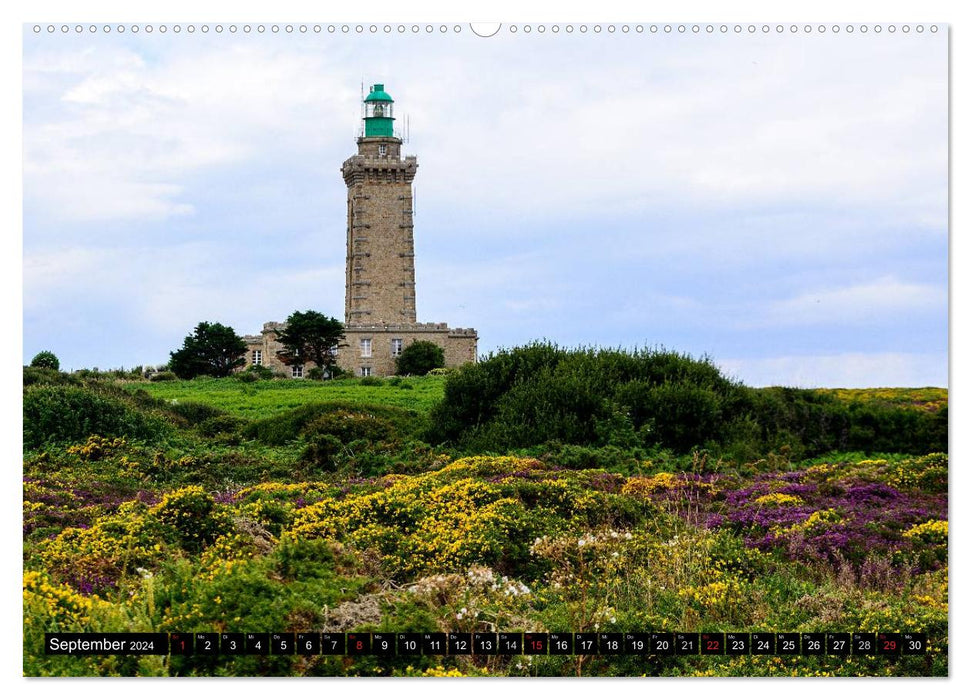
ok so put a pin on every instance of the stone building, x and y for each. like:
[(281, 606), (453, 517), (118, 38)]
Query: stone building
[(380, 319)]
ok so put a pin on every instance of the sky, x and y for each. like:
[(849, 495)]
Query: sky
[(777, 202)]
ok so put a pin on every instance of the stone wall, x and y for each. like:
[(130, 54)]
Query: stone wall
[(460, 346)]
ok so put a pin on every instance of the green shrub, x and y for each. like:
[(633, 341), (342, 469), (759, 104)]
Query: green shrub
[(371, 381), (220, 425), (673, 414), (348, 426), (165, 376), (420, 358), (190, 513), (246, 377), (194, 411), (72, 413), (287, 426), (45, 375), (323, 452), (541, 393), (315, 373), (580, 457), (656, 400), (260, 371), (815, 422), (46, 359)]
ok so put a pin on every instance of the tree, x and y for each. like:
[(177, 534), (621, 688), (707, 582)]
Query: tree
[(309, 335), (46, 359), (212, 349), (420, 358)]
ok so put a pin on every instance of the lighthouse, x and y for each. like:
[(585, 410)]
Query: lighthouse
[(380, 274), (380, 320)]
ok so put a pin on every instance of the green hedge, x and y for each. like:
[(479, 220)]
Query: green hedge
[(655, 399), (287, 426), (59, 413)]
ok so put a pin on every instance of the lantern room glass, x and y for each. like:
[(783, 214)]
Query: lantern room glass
[(379, 110)]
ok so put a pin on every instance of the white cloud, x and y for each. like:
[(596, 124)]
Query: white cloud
[(848, 370), (556, 177), (724, 124), (867, 302), (167, 290), (579, 129), (119, 136)]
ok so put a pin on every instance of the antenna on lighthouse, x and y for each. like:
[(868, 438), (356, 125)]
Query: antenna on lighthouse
[(360, 128)]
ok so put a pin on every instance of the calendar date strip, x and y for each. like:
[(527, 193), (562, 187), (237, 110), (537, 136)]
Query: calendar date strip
[(890, 644)]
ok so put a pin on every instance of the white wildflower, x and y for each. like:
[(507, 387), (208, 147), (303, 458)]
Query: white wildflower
[(480, 575)]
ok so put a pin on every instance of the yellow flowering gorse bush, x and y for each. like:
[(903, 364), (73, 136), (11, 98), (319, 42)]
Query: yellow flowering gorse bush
[(933, 531), (433, 521), (775, 500)]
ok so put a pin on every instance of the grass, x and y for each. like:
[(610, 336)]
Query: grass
[(262, 399), (267, 398)]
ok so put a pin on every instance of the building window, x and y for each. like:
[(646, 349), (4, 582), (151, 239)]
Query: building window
[(365, 371), (296, 371), (395, 347), (257, 357), (382, 150), (365, 347)]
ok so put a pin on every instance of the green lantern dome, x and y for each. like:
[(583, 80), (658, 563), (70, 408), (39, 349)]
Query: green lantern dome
[(378, 94), (378, 113)]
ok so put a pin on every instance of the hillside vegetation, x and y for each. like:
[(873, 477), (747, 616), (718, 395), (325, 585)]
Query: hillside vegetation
[(540, 490)]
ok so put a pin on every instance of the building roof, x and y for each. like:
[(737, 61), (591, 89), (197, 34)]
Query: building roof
[(378, 94)]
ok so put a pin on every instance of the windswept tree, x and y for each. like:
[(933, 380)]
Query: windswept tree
[(46, 359), (212, 349), (311, 336)]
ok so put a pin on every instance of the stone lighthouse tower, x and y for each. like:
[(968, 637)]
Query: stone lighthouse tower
[(380, 287)]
